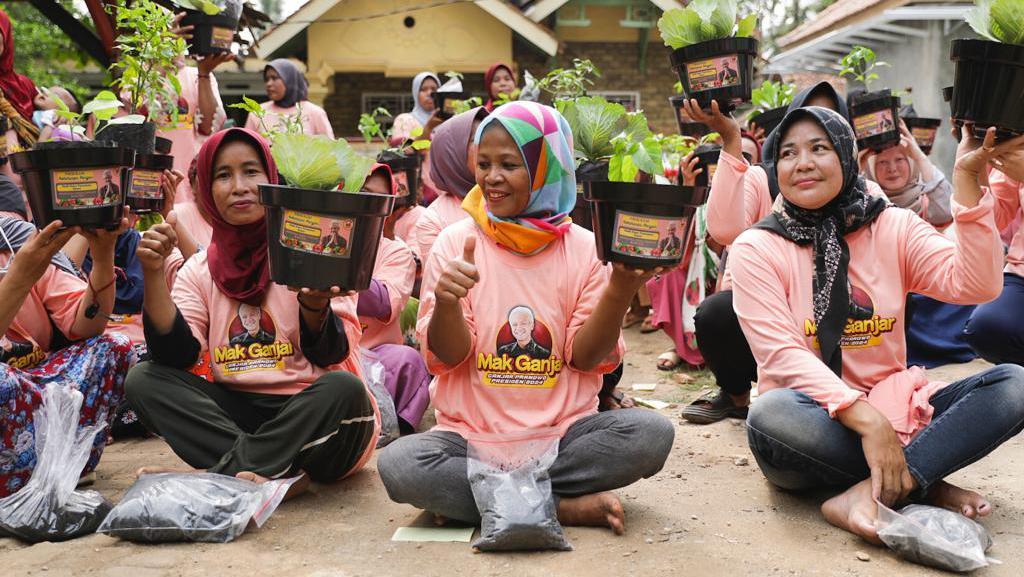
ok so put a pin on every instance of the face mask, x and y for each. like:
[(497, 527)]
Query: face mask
[(43, 118)]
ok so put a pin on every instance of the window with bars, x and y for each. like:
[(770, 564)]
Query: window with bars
[(629, 99), (395, 103)]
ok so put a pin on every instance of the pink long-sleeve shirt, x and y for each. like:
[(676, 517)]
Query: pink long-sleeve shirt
[(896, 254), (1008, 194), (395, 268), (444, 211)]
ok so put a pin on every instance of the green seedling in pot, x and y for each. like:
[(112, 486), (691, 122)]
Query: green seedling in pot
[(704, 20), (102, 109), (771, 95), (370, 128), (506, 98), (460, 106), (570, 83), (205, 6), (604, 132), (860, 64), (998, 20), (289, 124)]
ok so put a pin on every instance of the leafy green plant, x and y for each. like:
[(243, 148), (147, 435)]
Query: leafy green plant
[(604, 132), (148, 50), (319, 163), (998, 20), (102, 108), (704, 20), (289, 124), (568, 83), (460, 106), (772, 95), (506, 98), (860, 64), (205, 6), (369, 127)]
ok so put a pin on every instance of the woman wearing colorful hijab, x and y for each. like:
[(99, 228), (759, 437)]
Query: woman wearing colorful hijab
[(285, 361), (499, 80), (287, 90), (519, 320), (17, 92), (820, 289)]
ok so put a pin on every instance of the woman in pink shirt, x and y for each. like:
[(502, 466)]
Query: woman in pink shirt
[(820, 289), (287, 90), (422, 117), (519, 320), (286, 397)]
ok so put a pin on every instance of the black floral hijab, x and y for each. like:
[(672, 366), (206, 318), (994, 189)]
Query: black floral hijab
[(825, 228)]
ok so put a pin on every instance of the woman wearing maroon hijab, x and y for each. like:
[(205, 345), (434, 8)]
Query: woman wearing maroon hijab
[(18, 91), (499, 79), (286, 397)]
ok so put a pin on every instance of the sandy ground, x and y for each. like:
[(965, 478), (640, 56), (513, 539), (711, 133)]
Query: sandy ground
[(708, 512)]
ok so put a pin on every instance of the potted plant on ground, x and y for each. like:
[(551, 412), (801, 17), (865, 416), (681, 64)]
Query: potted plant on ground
[(687, 126), (322, 230), (713, 53), (874, 115), (213, 24), (403, 159), (771, 100), (922, 129), (988, 79)]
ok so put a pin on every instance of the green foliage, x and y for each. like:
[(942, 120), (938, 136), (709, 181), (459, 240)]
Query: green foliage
[(103, 108), (860, 63), (772, 95), (354, 166), (369, 127), (460, 106), (452, 74), (998, 20), (568, 83), (40, 50), (704, 20), (307, 161), (506, 98), (604, 131), (148, 50), (205, 6)]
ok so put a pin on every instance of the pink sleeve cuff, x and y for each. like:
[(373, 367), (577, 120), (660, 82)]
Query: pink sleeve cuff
[(847, 399), (738, 164), (984, 207)]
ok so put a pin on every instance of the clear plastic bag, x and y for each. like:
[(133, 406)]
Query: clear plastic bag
[(48, 508), (935, 537), (169, 507), (373, 373), (512, 490)]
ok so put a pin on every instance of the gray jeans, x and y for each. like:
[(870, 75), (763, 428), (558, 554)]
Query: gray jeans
[(598, 453)]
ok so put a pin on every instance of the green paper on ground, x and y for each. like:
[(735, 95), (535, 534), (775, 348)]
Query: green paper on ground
[(434, 534)]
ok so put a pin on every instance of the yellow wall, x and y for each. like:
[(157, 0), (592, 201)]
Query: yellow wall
[(604, 26)]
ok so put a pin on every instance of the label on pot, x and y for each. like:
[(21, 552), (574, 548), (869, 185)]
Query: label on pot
[(221, 37), (146, 184), (717, 72), (75, 188), (317, 234), (647, 236), (712, 168), (924, 136), (873, 123)]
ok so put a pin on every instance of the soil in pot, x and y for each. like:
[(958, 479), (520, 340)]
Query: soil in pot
[(687, 126), (144, 193), (409, 165), (719, 70), (924, 131), (708, 160), (875, 117), (78, 183), (211, 34), (139, 137), (642, 224), (588, 172), (444, 102), (988, 85), (769, 119), (323, 238)]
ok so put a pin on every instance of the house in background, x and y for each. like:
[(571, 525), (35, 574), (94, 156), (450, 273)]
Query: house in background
[(912, 36), (362, 54)]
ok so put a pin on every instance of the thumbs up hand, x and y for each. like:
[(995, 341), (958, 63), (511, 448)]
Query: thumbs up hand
[(459, 276)]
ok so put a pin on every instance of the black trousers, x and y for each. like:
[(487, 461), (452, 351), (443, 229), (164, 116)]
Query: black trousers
[(723, 345)]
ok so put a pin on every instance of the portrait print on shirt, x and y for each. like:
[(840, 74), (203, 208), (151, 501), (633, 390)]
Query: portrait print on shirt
[(864, 327), (19, 351), (252, 343), (523, 353)]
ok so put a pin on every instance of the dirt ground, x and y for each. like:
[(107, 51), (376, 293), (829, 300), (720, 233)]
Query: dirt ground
[(709, 512)]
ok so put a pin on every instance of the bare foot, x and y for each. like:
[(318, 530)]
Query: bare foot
[(154, 470), (967, 503), (297, 488), (440, 520), (596, 510), (855, 511)]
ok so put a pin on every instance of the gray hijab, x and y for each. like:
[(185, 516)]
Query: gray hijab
[(295, 85), (421, 114)]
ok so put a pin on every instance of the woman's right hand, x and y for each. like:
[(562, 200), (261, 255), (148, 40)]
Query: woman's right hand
[(725, 125), (689, 169), (459, 276), (34, 256), (157, 244)]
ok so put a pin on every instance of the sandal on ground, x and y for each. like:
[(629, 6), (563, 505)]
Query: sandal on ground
[(613, 400), (648, 325), (712, 407), (669, 360), (635, 316)]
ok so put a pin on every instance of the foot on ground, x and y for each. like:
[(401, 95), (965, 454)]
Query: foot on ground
[(595, 510), (854, 510), (297, 488), (967, 503)]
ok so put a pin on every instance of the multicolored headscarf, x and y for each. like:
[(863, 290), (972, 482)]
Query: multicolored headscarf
[(545, 141)]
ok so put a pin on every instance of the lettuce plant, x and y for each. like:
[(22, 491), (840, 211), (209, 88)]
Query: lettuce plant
[(998, 20), (860, 63), (319, 163), (704, 20), (771, 95), (604, 132)]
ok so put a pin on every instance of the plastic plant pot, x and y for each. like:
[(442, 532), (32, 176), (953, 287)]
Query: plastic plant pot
[(408, 165), (687, 127), (444, 102), (988, 82), (144, 193), (212, 34), (707, 155), (719, 70), (769, 119), (924, 131), (642, 224), (139, 137), (875, 119), (163, 145), (323, 238), (589, 172), (78, 183)]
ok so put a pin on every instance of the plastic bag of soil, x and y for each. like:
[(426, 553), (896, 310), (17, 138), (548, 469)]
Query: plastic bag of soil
[(168, 507), (934, 537), (373, 373), (509, 477), (48, 508)]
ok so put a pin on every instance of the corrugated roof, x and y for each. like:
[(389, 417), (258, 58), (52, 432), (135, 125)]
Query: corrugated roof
[(833, 16)]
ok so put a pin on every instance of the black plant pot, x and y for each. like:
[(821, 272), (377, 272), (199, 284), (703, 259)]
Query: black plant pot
[(589, 172), (163, 145), (642, 224), (924, 131), (988, 82), (769, 119), (708, 160), (687, 127), (875, 120), (300, 223), (410, 166), (68, 181), (444, 102), (720, 70), (139, 137), (144, 193), (212, 34)]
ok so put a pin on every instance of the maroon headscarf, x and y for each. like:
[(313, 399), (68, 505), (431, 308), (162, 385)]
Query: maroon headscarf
[(750, 136), (489, 77), (448, 145), (237, 255), (18, 89)]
